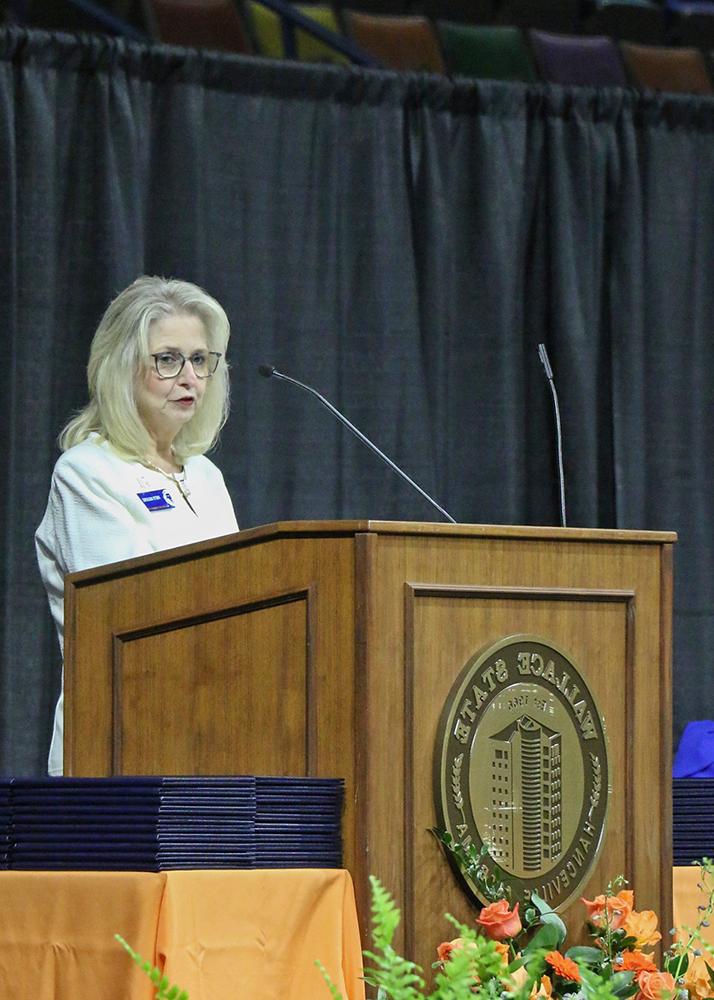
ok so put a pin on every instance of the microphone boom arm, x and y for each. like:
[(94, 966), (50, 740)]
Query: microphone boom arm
[(267, 371)]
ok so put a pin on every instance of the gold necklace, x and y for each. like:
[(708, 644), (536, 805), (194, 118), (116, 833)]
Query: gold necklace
[(181, 484)]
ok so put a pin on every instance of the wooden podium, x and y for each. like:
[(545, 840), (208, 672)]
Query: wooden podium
[(328, 648)]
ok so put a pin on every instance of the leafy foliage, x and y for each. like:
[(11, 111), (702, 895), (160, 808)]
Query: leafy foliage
[(398, 977), (549, 918), (597, 987), (471, 861), (334, 992)]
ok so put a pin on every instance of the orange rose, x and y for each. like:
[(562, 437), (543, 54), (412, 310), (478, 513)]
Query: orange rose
[(655, 985), (498, 922), (618, 909), (564, 967), (696, 979), (643, 927), (443, 952), (447, 948), (636, 961)]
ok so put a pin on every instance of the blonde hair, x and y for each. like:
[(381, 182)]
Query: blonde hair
[(120, 352)]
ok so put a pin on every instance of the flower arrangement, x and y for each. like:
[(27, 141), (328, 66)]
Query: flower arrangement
[(619, 963), (509, 955)]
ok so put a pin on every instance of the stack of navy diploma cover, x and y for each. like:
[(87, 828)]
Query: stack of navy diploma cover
[(5, 817), (693, 820), (303, 825), (693, 794), (162, 823)]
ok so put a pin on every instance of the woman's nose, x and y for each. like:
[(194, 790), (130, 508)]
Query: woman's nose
[(188, 375)]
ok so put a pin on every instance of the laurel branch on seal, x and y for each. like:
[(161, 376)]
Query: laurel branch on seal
[(456, 781), (596, 767)]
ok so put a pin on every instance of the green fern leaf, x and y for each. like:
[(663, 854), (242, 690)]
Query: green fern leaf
[(334, 992), (166, 991)]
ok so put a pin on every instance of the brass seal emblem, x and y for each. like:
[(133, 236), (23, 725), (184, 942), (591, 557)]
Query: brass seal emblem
[(520, 766)]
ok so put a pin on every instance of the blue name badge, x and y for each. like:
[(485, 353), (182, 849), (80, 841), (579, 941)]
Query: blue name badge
[(157, 500)]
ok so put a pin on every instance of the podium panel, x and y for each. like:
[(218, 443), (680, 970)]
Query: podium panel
[(176, 666), (329, 648), (592, 626)]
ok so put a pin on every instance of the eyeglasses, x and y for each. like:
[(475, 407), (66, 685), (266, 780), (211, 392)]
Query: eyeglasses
[(169, 364)]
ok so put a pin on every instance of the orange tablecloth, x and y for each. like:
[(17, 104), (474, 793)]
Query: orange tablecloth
[(248, 935), (687, 897), (221, 935)]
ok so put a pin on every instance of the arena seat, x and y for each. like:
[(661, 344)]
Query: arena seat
[(401, 43), (267, 33), (578, 59), (206, 24), (660, 67), (491, 52)]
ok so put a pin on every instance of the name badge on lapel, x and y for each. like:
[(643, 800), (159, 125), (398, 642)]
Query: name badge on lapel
[(157, 500)]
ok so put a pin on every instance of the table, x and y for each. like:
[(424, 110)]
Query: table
[(221, 935), (687, 897)]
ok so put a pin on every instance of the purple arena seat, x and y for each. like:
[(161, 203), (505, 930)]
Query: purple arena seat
[(578, 59)]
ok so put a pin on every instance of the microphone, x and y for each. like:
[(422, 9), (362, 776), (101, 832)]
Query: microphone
[(545, 361), (267, 371)]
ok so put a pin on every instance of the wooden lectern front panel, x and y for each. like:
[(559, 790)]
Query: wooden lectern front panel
[(257, 655), (591, 626), (431, 605), (234, 657)]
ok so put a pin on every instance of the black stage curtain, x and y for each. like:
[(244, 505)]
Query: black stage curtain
[(401, 242)]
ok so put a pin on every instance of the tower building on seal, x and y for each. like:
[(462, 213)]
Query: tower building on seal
[(525, 827)]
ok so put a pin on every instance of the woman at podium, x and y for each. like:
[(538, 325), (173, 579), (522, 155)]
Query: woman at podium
[(133, 477)]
